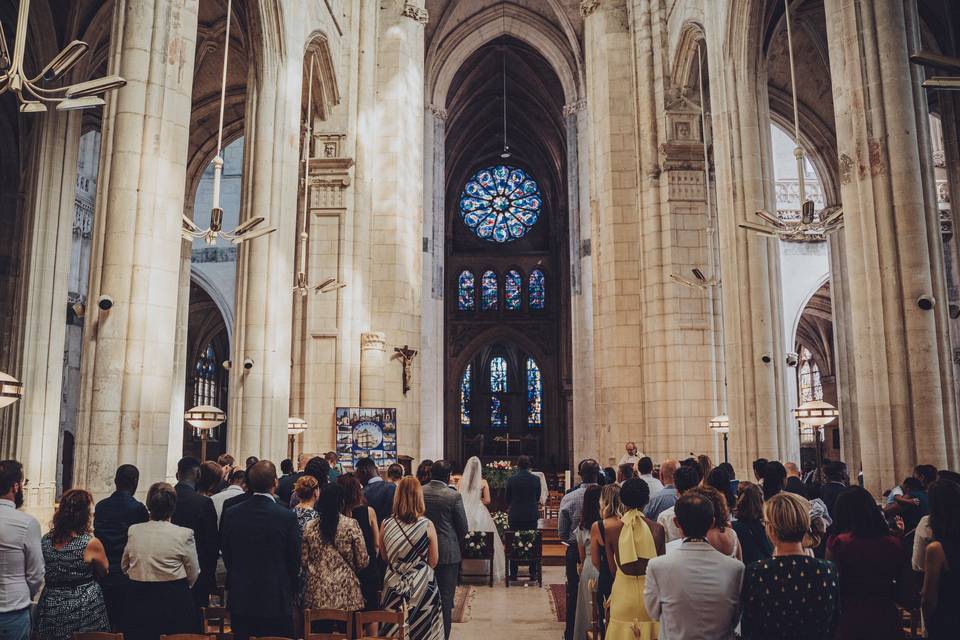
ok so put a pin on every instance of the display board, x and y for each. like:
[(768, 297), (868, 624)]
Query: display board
[(366, 433)]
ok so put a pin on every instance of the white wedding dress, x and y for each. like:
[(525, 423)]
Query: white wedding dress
[(479, 519)]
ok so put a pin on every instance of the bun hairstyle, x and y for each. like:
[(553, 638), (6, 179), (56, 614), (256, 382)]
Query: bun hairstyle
[(305, 487), (789, 516)]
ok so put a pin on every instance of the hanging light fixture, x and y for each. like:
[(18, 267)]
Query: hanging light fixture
[(11, 389), (812, 226), (503, 63), (330, 284), (30, 93), (245, 230)]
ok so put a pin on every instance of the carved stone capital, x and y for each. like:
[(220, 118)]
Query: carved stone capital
[(373, 340), (438, 112), (412, 11), (588, 6), (574, 107)]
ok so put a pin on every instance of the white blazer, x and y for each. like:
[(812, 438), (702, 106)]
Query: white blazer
[(694, 592), (160, 552)]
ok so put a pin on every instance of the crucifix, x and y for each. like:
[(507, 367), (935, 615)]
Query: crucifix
[(406, 355)]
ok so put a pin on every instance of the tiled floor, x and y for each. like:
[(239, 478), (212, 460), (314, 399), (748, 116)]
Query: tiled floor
[(499, 613)]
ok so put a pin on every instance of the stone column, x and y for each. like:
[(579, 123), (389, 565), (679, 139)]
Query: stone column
[(761, 425), (51, 209), (128, 358), (372, 360), (905, 407), (396, 226), (260, 395), (615, 227)]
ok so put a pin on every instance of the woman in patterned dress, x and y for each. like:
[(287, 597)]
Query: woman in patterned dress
[(408, 542), (72, 600), (332, 553)]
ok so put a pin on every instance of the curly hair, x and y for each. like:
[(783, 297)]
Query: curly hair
[(72, 516)]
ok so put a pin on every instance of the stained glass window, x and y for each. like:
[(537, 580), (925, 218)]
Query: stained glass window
[(488, 291), (205, 383), (512, 284), (811, 387), (538, 293), (534, 395), (498, 418), (465, 291), (500, 203), (498, 375), (465, 381)]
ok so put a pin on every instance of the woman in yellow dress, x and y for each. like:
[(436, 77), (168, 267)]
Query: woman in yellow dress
[(630, 543)]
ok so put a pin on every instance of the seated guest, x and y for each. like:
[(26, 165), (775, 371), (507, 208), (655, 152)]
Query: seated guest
[(625, 472), (378, 494), (751, 533), (645, 470), (112, 517), (791, 596), (685, 479), (409, 547), (794, 484), (610, 510), (161, 561), (666, 497), (523, 504), (196, 512), (588, 571), (423, 472), (774, 475), (694, 592), (260, 542), (355, 506), (721, 535), (941, 580), (233, 489), (871, 562), (630, 545), (211, 474), (332, 553), (72, 600)]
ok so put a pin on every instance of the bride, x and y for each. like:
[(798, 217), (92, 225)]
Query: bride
[(476, 497)]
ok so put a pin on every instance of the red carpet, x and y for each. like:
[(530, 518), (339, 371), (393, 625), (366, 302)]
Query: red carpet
[(558, 601)]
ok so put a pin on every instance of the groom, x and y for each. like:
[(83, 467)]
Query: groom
[(445, 510)]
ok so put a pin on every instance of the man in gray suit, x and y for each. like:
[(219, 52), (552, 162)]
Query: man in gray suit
[(445, 510), (694, 591)]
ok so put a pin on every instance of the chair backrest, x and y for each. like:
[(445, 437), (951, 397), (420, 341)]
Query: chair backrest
[(382, 616), (334, 616), (534, 554), (269, 638), (96, 635), (215, 619), (188, 636)]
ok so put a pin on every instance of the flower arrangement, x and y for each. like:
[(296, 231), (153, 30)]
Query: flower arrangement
[(500, 464), (497, 472), (524, 543), (475, 544), (502, 521)]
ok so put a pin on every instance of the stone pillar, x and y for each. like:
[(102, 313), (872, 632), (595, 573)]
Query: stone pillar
[(128, 358), (372, 360), (754, 355), (396, 226), (51, 209), (614, 228), (905, 408), (260, 395)]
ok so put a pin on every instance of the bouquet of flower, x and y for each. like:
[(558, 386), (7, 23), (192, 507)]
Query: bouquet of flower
[(475, 544), (502, 521), (497, 472), (500, 464), (523, 544)]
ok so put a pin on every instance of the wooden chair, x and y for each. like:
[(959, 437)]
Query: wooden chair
[(488, 557), (381, 617), (535, 557), (215, 620), (96, 635), (335, 616), (270, 638), (188, 636)]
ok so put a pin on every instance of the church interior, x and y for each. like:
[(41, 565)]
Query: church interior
[(491, 227)]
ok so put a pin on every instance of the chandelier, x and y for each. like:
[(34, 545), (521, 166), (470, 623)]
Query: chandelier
[(812, 226), (246, 230), (30, 91)]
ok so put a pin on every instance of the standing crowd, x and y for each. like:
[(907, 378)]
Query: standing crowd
[(272, 547), (686, 551)]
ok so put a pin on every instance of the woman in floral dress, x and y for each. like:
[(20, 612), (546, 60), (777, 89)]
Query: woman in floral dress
[(408, 542), (72, 600), (332, 553)]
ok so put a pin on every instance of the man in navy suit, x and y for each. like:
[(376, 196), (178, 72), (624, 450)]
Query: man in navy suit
[(112, 518), (195, 511), (260, 542), (523, 502), (379, 494)]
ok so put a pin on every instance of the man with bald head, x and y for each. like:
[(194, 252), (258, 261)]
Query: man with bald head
[(794, 483), (666, 497)]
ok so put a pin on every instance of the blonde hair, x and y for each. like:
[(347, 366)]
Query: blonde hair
[(610, 504), (789, 516), (408, 503)]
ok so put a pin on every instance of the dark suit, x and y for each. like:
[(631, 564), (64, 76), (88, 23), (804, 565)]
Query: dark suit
[(379, 495), (285, 487), (260, 541), (829, 493), (523, 500), (111, 519), (445, 510), (197, 512), (795, 485)]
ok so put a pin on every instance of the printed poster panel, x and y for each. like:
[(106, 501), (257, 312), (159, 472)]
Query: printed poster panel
[(366, 433)]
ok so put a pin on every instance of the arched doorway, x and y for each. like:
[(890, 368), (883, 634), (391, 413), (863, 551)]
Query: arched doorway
[(208, 348)]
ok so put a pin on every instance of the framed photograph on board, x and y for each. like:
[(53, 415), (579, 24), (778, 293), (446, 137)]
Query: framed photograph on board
[(366, 433)]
